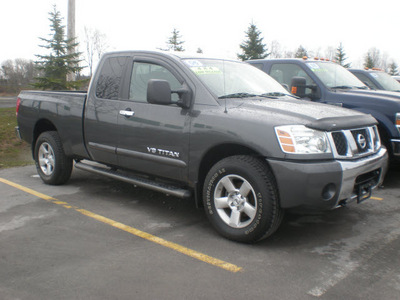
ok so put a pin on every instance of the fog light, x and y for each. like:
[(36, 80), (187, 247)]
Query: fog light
[(329, 192)]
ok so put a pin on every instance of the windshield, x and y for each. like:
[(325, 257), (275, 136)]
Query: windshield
[(386, 81), (231, 79), (335, 76)]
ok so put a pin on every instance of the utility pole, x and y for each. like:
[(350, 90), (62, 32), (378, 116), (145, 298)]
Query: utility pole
[(71, 31)]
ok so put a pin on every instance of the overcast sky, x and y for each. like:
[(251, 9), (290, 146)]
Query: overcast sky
[(217, 26)]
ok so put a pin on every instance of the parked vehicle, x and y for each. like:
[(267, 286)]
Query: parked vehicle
[(219, 131), (396, 77), (377, 79), (327, 82)]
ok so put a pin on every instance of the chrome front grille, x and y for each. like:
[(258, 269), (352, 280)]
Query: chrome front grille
[(354, 143)]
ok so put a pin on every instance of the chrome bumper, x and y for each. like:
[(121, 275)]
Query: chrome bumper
[(355, 174), (324, 185), (396, 147)]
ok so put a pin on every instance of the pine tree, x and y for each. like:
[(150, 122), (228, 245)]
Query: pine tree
[(301, 52), (253, 47), (393, 69), (340, 56), (56, 65), (369, 61), (174, 43), (373, 59)]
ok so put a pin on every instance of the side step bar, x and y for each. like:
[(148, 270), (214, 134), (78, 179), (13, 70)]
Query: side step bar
[(135, 180)]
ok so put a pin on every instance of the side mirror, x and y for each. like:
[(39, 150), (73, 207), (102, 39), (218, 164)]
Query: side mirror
[(298, 86), (185, 96), (158, 92)]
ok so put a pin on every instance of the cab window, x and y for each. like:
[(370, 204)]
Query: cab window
[(142, 73), (366, 80), (283, 73), (109, 81)]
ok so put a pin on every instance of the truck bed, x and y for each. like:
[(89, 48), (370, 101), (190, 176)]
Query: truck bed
[(64, 109)]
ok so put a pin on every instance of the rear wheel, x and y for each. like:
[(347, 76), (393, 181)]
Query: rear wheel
[(241, 199), (52, 165)]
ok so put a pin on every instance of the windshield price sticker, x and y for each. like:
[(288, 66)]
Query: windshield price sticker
[(193, 63), (313, 66), (206, 70)]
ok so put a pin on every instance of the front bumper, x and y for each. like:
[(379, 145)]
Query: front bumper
[(327, 185)]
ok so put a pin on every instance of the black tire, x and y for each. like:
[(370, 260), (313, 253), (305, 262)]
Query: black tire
[(52, 165), (241, 199)]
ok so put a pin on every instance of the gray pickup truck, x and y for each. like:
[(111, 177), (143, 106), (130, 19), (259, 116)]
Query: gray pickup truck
[(220, 132)]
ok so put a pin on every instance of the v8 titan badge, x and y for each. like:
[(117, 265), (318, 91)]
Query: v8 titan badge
[(163, 152)]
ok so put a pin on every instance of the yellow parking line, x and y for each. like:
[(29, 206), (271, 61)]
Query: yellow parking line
[(376, 198), (189, 252), (27, 190)]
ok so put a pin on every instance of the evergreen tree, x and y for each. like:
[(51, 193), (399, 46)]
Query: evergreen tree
[(374, 59), (300, 52), (56, 65), (369, 61), (340, 56), (175, 43), (253, 47), (393, 69)]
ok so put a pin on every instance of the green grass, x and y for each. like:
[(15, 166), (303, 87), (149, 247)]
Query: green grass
[(13, 152)]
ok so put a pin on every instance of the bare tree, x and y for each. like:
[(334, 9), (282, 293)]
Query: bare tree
[(275, 50), (18, 73), (330, 53), (96, 45)]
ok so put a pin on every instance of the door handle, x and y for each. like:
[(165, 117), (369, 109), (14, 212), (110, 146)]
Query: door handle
[(126, 113)]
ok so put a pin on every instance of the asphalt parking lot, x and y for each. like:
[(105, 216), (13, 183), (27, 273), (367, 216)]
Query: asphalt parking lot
[(96, 238)]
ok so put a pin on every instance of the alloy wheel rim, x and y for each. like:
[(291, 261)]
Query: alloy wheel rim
[(235, 201), (46, 159)]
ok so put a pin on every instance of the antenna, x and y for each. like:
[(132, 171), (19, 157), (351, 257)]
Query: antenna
[(223, 74)]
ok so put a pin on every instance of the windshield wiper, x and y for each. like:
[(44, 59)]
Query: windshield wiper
[(274, 95), (341, 87), (237, 95)]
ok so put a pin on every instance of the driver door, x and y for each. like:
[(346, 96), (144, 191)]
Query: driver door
[(153, 138)]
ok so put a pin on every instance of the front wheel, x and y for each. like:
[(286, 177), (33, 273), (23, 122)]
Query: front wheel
[(241, 199), (52, 165)]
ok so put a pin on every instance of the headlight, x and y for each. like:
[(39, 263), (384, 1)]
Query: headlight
[(299, 139)]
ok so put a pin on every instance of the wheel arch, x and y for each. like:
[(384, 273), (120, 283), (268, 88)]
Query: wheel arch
[(211, 157), (41, 126)]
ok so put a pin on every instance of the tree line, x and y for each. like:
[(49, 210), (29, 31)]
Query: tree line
[(49, 71), (253, 47)]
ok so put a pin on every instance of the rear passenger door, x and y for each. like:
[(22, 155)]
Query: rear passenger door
[(153, 138)]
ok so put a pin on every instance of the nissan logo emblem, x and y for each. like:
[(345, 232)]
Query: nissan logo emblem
[(362, 142)]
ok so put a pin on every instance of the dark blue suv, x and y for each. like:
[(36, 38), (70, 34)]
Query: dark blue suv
[(327, 82)]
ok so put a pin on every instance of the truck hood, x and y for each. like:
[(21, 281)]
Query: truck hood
[(287, 111), (384, 95)]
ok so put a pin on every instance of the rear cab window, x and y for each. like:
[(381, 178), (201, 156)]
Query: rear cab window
[(109, 81)]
